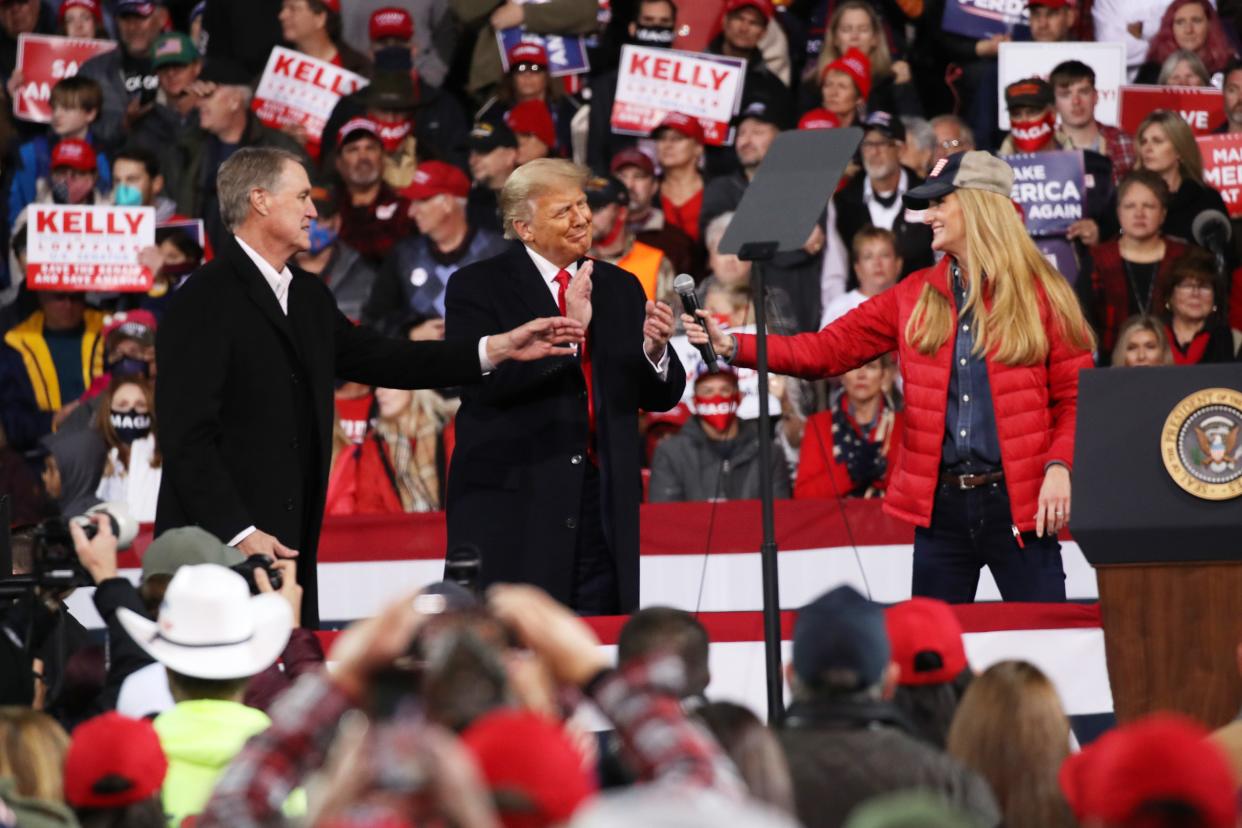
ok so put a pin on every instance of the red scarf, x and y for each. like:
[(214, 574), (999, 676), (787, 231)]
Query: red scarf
[(1193, 353)]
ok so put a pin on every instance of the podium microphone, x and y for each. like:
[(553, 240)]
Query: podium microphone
[(684, 285), (1211, 230)]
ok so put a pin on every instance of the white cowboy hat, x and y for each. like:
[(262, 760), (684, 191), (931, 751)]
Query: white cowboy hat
[(211, 627)]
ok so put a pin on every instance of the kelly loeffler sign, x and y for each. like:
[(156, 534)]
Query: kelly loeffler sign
[(88, 248), (300, 90), (654, 82)]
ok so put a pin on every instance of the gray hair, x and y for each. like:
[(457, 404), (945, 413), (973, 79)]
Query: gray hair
[(248, 169), (715, 230), (532, 180), (1196, 66), (919, 132)]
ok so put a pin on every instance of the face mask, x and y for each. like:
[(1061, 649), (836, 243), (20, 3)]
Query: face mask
[(126, 196), (130, 426), (60, 192), (719, 412), (391, 135), (321, 238), (1031, 136), (129, 367), (660, 37), (71, 191)]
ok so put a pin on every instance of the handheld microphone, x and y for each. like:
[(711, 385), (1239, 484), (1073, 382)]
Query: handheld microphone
[(684, 285), (1211, 230)]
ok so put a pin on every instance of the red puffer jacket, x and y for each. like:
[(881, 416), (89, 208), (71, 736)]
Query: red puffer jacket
[(1035, 405)]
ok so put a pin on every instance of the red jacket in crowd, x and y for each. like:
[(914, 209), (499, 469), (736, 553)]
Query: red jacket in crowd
[(1035, 405)]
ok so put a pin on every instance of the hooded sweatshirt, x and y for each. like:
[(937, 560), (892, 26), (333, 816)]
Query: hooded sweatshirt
[(200, 738), (79, 455)]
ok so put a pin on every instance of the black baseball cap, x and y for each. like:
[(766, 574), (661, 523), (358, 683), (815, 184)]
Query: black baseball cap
[(973, 170), (604, 190), (887, 123), (762, 108), (841, 630), (486, 136)]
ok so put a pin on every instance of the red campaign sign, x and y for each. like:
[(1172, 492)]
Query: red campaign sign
[(300, 90), (88, 248), (1222, 167), (1203, 107), (43, 60)]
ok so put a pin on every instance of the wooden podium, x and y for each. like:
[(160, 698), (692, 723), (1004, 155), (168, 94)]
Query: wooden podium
[(1168, 561)]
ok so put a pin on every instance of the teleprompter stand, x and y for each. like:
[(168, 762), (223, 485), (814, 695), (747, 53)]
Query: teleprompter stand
[(781, 207)]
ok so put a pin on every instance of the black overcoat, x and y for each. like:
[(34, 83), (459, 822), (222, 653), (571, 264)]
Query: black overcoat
[(515, 482), (244, 401)]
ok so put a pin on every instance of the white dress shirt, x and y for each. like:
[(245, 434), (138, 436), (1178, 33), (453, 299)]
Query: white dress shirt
[(548, 271)]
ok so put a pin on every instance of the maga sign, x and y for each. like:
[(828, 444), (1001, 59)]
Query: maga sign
[(1049, 188), (1222, 168), (1202, 107), (980, 19), (80, 248), (44, 60), (566, 55), (653, 82)]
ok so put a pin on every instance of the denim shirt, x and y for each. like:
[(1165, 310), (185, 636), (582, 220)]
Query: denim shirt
[(970, 441)]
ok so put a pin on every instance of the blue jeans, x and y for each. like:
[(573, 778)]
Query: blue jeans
[(971, 529)]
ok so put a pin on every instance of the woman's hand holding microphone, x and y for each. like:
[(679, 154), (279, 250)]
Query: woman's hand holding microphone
[(698, 334)]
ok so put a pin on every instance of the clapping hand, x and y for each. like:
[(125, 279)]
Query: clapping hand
[(657, 328), (578, 295), (699, 330)]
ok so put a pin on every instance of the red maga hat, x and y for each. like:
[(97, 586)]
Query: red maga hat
[(533, 118), (632, 157), (528, 52), (90, 5), (75, 154), (391, 22), (113, 761), (926, 641), (855, 64), (819, 118), (683, 124), (433, 178), (764, 7)]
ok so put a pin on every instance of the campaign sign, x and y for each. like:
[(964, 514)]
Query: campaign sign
[(653, 82), (300, 90), (87, 247), (980, 19), (1060, 254), (1202, 107), (1222, 168), (1017, 61), (1049, 187), (566, 55), (43, 60)]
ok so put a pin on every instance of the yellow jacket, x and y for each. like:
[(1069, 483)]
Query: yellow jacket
[(27, 339)]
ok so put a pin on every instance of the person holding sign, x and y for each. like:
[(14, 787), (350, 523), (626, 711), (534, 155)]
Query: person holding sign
[(528, 80), (990, 343), (248, 349), (309, 26), (81, 18)]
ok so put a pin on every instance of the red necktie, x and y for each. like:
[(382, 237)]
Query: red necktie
[(562, 280)]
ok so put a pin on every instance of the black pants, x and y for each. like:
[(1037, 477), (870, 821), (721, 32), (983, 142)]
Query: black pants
[(595, 590), (971, 529)]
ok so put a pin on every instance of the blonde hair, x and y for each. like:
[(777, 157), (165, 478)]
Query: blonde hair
[(1190, 160), (881, 59), (532, 180), (1005, 265), (32, 753), (1136, 323), (1010, 728)]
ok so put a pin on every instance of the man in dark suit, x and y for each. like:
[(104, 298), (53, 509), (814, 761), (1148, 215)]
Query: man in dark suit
[(545, 474), (248, 351)]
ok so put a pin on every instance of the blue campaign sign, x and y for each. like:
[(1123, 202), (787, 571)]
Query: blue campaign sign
[(566, 55), (1060, 254), (981, 19), (1049, 187)]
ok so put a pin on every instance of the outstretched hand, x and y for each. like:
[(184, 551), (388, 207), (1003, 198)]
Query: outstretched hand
[(538, 338), (699, 330)]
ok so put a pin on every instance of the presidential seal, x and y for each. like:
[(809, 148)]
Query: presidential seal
[(1200, 444)]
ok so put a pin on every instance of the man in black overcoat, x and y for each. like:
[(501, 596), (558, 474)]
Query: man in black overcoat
[(248, 352), (544, 479)]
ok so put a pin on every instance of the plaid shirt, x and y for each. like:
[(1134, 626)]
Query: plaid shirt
[(642, 701), (1119, 148)]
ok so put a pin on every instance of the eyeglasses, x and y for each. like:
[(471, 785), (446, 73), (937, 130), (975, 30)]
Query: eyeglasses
[(1193, 287), (528, 67), (951, 144)]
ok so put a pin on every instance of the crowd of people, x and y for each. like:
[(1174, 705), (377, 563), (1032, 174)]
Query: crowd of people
[(455, 707), (210, 704)]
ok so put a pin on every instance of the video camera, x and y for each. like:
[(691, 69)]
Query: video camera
[(54, 564)]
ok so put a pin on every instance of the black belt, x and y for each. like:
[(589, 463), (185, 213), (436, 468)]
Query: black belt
[(971, 481)]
